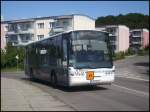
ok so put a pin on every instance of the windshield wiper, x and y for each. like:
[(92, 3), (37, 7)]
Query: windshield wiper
[(86, 67)]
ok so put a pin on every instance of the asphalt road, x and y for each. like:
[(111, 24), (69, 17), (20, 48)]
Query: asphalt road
[(136, 66), (124, 94)]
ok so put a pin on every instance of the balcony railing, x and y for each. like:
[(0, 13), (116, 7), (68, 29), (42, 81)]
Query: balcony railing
[(61, 28), (135, 42), (136, 35), (19, 31), (112, 34), (25, 41), (113, 42), (26, 31), (10, 32)]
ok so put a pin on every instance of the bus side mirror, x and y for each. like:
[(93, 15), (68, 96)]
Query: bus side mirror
[(65, 58), (114, 69), (64, 63)]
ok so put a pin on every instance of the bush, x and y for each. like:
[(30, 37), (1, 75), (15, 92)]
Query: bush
[(129, 52), (146, 48), (119, 55), (142, 52)]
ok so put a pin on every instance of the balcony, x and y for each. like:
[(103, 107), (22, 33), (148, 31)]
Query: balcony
[(113, 42), (14, 42), (112, 34), (135, 42), (25, 31), (58, 29), (136, 35), (10, 33), (30, 31)]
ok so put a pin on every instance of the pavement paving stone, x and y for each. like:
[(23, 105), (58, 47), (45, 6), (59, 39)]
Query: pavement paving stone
[(46, 104), (52, 109), (16, 108), (40, 97), (20, 96)]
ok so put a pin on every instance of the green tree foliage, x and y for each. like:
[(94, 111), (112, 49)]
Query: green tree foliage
[(8, 57), (132, 20), (3, 58)]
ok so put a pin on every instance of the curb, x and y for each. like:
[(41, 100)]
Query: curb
[(13, 72)]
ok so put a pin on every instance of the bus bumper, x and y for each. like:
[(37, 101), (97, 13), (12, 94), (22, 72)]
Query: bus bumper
[(77, 81)]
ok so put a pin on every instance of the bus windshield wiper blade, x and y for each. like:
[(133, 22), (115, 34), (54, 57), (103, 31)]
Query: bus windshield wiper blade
[(86, 67)]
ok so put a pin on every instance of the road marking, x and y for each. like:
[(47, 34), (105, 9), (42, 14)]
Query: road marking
[(135, 91), (133, 78)]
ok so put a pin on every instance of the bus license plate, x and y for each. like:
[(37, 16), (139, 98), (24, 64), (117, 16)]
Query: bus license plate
[(90, 75)]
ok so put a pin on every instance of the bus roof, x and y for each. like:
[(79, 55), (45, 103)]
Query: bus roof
[(60, 34)]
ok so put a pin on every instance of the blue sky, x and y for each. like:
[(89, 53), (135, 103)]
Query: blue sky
[(27, 9)]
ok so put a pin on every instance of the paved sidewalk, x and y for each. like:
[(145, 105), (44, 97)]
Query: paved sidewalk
[(19, 96)]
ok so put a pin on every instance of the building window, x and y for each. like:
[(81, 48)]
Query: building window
[(137, 33), (40, 37), (51, 24), (6, 28), (112, 31), (25, 37), (40, 25), (12, 38), (113, 38), (57, 24), (65, 23), (24, 26)]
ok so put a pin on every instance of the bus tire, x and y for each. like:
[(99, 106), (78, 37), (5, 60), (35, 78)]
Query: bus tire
[(53, 79)]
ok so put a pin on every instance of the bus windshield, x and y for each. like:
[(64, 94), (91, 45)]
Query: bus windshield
[(89, 49)]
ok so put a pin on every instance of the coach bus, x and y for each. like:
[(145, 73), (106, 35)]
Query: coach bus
[(72, 58)]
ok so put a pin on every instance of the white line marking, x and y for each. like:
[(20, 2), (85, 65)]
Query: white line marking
[(140, 92), (133, 78)]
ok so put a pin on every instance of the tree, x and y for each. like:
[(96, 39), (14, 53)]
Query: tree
[(9, 57), (132, 20)]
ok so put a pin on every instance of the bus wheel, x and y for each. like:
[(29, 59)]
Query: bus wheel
[(53, 80)]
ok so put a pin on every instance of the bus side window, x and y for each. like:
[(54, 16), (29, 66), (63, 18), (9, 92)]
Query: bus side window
[(59, 53), (64, 50)]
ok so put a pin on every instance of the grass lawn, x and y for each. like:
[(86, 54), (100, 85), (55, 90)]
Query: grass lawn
[(13, 69)]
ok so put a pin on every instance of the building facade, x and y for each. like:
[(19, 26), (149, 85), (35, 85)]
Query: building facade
[(139, 38), (3, 33), (119, 36), (26, 30)]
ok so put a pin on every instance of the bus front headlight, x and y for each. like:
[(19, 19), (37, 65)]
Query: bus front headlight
[(71, 71), (75, 72)]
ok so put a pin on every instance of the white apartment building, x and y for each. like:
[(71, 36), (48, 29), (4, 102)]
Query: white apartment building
[(26, 30), (3, 33), (119, 36)]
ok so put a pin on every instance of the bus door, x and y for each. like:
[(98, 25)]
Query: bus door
[(44, 68)]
